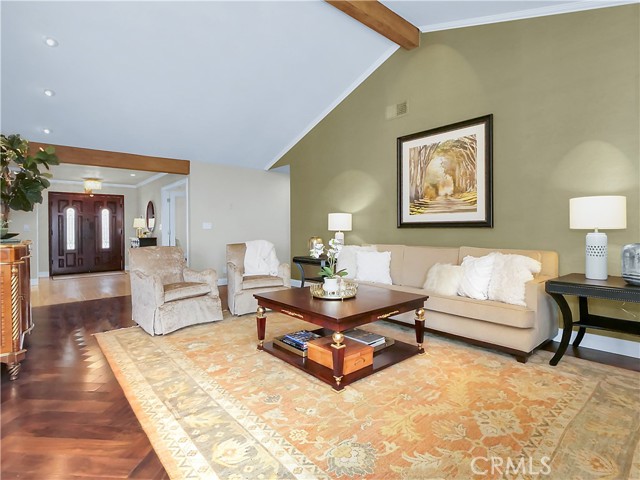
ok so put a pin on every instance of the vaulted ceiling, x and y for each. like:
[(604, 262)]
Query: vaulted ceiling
[(233, 82)]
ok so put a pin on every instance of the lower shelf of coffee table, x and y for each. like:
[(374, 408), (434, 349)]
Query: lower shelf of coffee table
[(382, 359)]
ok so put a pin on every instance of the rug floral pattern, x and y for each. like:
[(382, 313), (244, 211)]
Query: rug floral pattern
[(215, 407)]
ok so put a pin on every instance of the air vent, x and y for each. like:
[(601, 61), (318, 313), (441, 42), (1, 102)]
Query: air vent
[(395, 111)]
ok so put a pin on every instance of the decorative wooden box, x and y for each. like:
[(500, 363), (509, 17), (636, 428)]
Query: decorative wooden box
[(356, 356)]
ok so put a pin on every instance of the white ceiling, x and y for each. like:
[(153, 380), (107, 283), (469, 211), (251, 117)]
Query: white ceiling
[(231, 82)]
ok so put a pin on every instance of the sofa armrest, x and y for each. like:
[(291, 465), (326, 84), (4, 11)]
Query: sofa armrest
[(209, 276), (147, 291), (284, 272), (534, 292)]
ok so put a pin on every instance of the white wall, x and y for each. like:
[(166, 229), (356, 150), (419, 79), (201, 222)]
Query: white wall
[(241, 204)]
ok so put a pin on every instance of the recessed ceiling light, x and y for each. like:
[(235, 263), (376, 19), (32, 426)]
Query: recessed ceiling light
[(50, 42), (132, 174), (48, 92), (46, 131)]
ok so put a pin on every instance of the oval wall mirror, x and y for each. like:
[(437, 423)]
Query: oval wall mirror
[(151, 216)]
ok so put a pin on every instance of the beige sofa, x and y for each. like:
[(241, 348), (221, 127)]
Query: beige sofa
[(510, 328)]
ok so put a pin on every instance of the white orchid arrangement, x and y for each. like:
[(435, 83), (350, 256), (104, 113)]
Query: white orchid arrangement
[(333, 252)]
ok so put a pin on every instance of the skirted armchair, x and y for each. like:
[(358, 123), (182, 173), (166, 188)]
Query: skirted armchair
[(166, 295), (241, 287)]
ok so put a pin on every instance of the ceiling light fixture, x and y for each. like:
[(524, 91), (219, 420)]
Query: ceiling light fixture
[(50, 42), (46, 131), (48, 92), (91, 184), (132, 174)]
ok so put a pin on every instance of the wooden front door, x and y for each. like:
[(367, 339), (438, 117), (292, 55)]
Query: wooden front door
[(85, 233)]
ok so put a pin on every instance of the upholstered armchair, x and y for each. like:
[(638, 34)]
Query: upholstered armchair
[(166, 295), (241, 287)]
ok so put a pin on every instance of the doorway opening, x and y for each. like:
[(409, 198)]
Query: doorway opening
[(175, 215)]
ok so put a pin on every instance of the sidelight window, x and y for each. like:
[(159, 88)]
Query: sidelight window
[(71, 228), (104, 227)]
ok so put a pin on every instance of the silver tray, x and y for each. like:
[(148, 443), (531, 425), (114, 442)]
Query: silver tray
[(350, 290)]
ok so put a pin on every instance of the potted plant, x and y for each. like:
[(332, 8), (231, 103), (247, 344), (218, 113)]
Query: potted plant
[(22, 180), (331, 276)]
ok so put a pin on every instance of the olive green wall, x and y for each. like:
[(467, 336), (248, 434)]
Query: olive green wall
[(564, 92)]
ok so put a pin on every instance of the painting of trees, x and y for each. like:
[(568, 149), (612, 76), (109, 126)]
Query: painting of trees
[(442, 176), (445, 175)]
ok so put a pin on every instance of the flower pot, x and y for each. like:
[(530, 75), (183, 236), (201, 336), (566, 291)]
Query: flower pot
[(330, 285)]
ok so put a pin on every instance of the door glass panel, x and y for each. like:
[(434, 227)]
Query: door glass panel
[(71, 228), (104, 227)]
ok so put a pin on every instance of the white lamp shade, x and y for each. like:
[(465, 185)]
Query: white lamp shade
[(339, 222), (601, 212), (139, 222)]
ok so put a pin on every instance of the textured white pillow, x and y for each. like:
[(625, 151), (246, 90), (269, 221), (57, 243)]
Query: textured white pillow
[(476, 276), (347, 258), (443, 279), (373, 267), (510, 273)]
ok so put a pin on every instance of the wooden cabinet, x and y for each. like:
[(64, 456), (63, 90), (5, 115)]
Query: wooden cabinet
[(15, 285)]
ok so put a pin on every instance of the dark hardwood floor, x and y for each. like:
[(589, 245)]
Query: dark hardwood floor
[(66, 417)]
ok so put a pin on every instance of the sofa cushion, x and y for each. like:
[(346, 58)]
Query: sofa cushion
[(476, 275), (417, 261), (444, 279), (486, 310), (373, 267), (347, 258), (510, 273), (261, 281), (182, 290), (397, 261)]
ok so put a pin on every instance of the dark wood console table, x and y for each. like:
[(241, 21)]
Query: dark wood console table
[(614, 288), (301, 261)]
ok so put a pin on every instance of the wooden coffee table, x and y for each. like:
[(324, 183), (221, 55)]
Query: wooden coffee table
[(334, 316)]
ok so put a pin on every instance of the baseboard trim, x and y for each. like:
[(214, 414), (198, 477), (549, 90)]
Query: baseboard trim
[(618, 346), (43, 274), (34, 282), (295, 283)]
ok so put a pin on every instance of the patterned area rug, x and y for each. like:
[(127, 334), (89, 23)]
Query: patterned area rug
[(215, 407)]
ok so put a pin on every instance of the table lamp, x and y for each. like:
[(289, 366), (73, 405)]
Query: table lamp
[(139, 224), (601, 212), (339, 222)]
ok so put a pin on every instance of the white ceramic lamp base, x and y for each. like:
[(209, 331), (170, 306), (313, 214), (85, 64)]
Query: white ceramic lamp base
[(596, 256), (339, 236)]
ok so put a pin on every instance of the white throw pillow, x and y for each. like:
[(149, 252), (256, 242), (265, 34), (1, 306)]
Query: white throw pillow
[(347, 258), (476, 276), (444, 279), (510, 273), (373, 267)]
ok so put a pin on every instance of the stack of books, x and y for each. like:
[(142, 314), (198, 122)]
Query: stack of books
[(372, 339), (296, 342)]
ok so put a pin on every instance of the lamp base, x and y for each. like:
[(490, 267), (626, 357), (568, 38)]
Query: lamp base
[(339, 237), (596, 256)]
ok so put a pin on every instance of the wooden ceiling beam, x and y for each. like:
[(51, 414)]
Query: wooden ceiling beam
[(104, 158), (386, 22)]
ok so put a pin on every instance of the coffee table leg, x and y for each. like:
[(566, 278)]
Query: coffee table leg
[(420, 330), (261, 321), (337, 351)]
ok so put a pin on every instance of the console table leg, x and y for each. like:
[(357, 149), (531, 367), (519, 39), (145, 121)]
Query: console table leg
[(420, 330), (261, 322), (337, 351), (584, 316), (567, 328)]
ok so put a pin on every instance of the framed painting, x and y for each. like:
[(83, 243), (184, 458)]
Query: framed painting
[(445, 176)]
